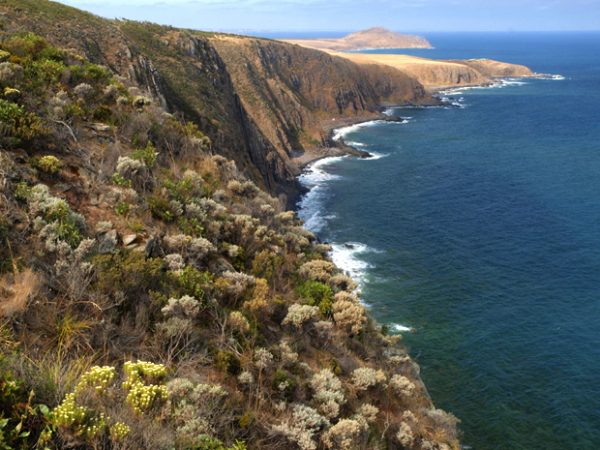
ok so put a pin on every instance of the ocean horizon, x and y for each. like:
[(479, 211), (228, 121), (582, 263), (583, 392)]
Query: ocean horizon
[(475, 225)]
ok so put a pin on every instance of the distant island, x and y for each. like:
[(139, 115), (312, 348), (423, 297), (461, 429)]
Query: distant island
[(373, 38)]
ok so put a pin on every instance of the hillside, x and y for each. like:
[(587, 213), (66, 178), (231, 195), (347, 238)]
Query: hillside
[(259, 121), (152, 296), (372, 38), (435, 74)]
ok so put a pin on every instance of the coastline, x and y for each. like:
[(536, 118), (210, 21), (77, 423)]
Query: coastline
[(339, 147)]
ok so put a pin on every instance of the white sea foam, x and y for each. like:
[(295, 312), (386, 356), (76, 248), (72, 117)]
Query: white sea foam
[(375, 156), (341, 133), (315, 178), (355, 144), (549, 76), (347, 257), (400, 328)]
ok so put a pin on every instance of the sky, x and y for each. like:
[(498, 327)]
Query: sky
[(348, 15)]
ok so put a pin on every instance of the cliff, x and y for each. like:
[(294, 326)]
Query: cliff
[(245, 93), (436, 74), (289, 91), (152, 296), (366, 39)]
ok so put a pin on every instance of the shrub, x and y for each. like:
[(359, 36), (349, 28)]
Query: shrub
[(191, 281), (298, 315), (62, 223), (368, 412), (344, 435), (317, 270), (227, 362), (341, 282), (263, 358), (405, 435), (146, 155), (185, 307), (25, 44), (364, 378), (122, 208), (265, 264), (145, 383), (348, 313), (328, 393), (18, 126), (238, 322), (284, 383), (23, 421), (317, 294), (129, 272), (302, 426), (402, 385), (48, 164), (162, 209), (83, 90)]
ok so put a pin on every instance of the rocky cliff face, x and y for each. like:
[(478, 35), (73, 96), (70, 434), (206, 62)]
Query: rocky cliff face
[(288, 91), (261, 102)]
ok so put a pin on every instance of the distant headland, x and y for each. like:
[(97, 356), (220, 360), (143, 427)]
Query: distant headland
[(373, 38)]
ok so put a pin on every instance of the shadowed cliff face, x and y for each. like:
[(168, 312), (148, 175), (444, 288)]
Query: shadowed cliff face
[(259, 101), (289, 91)]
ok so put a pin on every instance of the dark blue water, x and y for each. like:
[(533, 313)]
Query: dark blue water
[(480, 227)]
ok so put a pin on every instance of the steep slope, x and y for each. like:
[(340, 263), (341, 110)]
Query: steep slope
[(290, 91), (197, 75), (435, 74), (376, 37), (154, 298)]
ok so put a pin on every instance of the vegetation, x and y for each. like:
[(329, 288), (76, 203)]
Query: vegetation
[(155, 302)]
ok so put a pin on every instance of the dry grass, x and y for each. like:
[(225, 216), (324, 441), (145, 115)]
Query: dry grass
[(16, 290)]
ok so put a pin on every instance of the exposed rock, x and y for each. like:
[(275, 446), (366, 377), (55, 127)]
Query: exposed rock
[(129, 239), (107, 242)]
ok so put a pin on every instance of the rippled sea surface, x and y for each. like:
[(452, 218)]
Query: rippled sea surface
[(479, 226)]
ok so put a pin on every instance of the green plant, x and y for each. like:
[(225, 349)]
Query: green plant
[(282, 382), (68, 229), (22, 191), (227, 362), (17, 125), (193, 282), (128, 271), (147, 155), (48, 164), (122, 208), (22, 419), (120, 180), (161, 208), (318, 294), (206, 442), (190, 226)]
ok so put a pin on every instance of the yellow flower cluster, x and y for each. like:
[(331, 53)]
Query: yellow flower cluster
[(143, 371), (80, 419), (97, 377), (119, 431), (143, 396)]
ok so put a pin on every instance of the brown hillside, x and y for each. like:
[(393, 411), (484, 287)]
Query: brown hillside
[(259, 121)]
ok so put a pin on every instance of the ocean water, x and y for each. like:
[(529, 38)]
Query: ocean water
[(479, 226)]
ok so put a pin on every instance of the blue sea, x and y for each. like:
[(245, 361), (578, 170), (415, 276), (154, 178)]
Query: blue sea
[(478, 227)]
